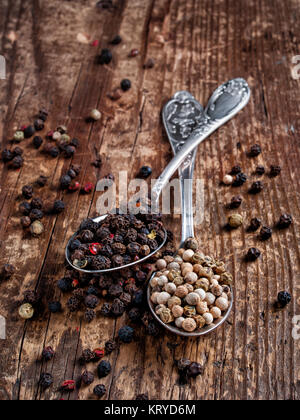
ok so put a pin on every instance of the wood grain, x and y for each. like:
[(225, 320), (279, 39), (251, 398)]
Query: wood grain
[(196, 45)]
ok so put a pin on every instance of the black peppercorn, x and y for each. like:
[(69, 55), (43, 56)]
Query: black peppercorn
[(65, 284), (54, 307), (235, 202), (7, 271), (256, 187), (265, 233), (118, 248), (41, 181), (239, 180), (260, 170), (149, 64), (17, 151), (103, 368), (29, 131), (91, 301), (27, 191), (38, 125), (235, 170), (69, 151), (89, 315), (183, 364), (254, 224), (110, 346), (253, 254), (275, 170), (194, 370), (74, 142), (46, 380), (135, 315), (54, 151), (7, 155), (73, 304), (87, 356), (152, 329), (43, 114), (117, 260), (116, 40), (142, 397), (99, 390), (36, 203), (87, 377), (105, 309), (117, 307), (145, 171), (133, 248), (30, 296), (283, 299), (130, 236), (125, 84), (255, 150), (105, 56), (285, 221), (48, 353), (25, 208), (65, 182), (126, 334), (17, 162), (36, 214), (58, 206), (25, 221), (115, 290), (37, 141)]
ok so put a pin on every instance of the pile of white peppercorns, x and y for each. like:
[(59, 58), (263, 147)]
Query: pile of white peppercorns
[(190, 290)]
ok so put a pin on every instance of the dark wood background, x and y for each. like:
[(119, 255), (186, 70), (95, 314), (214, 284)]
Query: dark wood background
[(196, 44)]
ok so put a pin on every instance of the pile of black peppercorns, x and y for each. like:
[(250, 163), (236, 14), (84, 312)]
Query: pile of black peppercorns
[(116, 241)]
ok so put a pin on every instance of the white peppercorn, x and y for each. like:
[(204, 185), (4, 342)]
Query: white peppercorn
[(170, 288), (174, 300), (209, 319), (200, 321), (173, 266), (213, 283), (201, 293), (177, 311), (179, 321), (178, 281), (26, 311), (154, 297), (217, 290), (216, 312), (95, 114), (202, 307), (202, 283), (209, 298), (154, 282), (191, 277), (227, 180), (222, 303), (178, 259), (159, 308), (180, 252), (189, 287), (161, 264), (162, 280), (181, 291), (192, 299), (166, 316), (187, 255), (224, 295), (189, 324), (163, 298)]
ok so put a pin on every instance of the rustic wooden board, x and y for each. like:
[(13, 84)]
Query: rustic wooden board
[(197, 44)]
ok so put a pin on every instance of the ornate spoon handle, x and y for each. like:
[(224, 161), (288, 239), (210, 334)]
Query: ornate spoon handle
[(181, 116), (223, 105)]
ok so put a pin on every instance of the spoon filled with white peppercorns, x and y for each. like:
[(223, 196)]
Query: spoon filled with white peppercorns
[(190, 292), (116, 241)]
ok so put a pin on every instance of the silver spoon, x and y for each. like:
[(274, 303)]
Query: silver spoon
[(225, 102)]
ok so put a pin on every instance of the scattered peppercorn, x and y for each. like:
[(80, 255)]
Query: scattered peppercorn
[(87, 356), (37, 228), (239, 180), (99, 390), (235, 170), (110, 346), (26, 311), (149, 64), (145, 171), (142, 397), (36, 214), (18, 136), (194, 369), (48, 353), (37, 142), (7, 271), (253, 254), (265, 233), (41, 181), (58, 206), (126, 334), (87, 377), (283, 299), (87, 188), (17, 151), (65, 182), (285, 221), (235, 220), (7, 155), (275, 170), (95, 114), (103, 368), (116, 40), (254, 224), (235, 202), (256, 187), (91, 301), (99, 353), (39, 124), (29, 131), (134, 52), (46, 380), (65, 284), (105, 56), (125, 84), (43, 114), (260, 170), (68, 385), (25, 221), (255, 150), (25, 208), (54, 307)]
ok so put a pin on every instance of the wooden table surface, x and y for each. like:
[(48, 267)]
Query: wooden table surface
[(196, 45)]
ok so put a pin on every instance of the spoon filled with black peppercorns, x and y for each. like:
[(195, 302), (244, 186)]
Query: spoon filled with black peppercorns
[(115, 241)]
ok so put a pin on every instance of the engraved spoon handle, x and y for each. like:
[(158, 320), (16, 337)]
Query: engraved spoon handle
[(180, 117), (224, 104)]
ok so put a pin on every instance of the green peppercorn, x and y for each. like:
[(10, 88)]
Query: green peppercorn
[(19, 136), (235, 220)]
